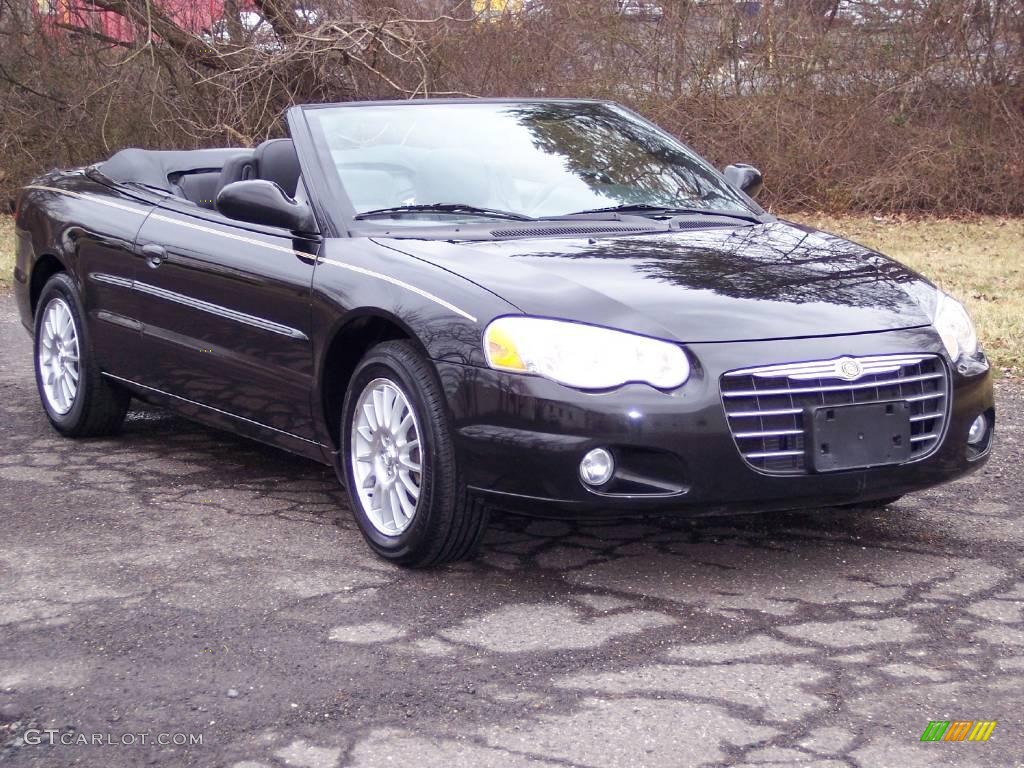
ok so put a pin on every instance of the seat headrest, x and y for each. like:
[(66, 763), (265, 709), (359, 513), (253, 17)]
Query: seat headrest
[(276, 161), (239, 168)]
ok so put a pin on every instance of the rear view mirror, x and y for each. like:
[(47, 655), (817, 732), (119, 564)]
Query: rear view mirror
[(259, 201), (745, 177)]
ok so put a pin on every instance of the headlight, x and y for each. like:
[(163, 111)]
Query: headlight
[(582, 356), (954, 326)]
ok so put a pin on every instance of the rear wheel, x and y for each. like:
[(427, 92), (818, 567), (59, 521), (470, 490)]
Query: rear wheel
[(406, 490), (77, 399)]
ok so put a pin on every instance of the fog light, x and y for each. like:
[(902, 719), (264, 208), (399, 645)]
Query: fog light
[(597, 467), (978, 430)]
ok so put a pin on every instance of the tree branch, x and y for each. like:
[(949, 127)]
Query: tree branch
[(145, 15)]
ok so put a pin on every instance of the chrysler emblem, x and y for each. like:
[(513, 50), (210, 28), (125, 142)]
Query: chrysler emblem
[(849, 369)]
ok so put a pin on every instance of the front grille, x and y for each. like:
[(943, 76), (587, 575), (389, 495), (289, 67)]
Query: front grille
[(769, 407)]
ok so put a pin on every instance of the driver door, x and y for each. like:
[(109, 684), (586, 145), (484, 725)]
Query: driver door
[(225, 309)]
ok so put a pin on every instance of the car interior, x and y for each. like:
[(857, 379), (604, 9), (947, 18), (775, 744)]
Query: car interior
[(374, 177), (198, 175), (377, 177)]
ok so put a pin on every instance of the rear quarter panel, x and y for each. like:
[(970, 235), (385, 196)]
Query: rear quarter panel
[(90, 230)]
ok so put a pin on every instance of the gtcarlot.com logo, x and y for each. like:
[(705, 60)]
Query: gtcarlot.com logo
[(958, 730), (53, 737)]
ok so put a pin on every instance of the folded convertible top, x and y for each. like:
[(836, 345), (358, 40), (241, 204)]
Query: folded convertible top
[(154, 167)]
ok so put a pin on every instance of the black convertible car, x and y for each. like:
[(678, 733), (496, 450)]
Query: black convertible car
[(544, 305)]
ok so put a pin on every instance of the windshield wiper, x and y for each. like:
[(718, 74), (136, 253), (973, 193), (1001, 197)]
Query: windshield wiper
[(655, 210), (455, 208)]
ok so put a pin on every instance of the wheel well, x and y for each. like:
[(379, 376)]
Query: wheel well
[(46, 266), (349, 345)]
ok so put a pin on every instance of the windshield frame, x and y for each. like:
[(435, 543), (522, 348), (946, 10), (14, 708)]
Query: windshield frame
[(346, 217)]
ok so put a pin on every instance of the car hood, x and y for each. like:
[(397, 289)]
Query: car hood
[(733, 283)]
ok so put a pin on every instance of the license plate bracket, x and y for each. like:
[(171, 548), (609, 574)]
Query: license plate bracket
[(860, 435)]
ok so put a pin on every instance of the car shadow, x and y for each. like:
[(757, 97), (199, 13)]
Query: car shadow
[(231, 459)]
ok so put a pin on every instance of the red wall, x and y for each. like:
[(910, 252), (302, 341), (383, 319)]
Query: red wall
[(194, 15)]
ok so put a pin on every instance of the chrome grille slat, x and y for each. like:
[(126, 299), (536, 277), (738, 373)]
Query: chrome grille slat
[(770, 454), (778, 412), (768, 433), (821, 368), (919, 398), (765, 405), (836, 388)]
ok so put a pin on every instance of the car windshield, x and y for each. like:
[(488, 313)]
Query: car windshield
[(529, 159)]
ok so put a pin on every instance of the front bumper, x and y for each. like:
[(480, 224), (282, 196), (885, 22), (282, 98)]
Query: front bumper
[(520, 438)]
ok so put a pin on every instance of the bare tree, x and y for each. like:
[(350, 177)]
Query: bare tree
[(909, 105)]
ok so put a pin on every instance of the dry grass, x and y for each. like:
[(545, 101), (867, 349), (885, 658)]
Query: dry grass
[(6, 251), (980, 261)]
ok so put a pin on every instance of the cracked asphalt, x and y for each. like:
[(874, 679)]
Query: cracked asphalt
[(181, 580)]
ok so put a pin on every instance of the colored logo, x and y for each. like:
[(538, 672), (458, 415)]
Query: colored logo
[(958, 730), (849, 369)]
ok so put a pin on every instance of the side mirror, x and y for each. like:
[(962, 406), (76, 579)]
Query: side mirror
[(259, 201), (746, 177)]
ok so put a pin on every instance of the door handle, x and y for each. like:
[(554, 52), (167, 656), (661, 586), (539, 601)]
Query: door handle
[(155, 254)]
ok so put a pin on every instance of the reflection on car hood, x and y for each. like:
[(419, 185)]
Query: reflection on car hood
[(734, 283)]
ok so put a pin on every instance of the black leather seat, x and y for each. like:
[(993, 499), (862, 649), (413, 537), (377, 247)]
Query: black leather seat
[(276, 161), (200, 187), (273, 160), (240, 168)]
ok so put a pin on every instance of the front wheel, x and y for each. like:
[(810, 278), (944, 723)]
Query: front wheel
[(403, 478)]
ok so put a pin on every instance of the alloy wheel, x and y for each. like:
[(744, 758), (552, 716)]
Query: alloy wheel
[(386, 456), (59, 369)]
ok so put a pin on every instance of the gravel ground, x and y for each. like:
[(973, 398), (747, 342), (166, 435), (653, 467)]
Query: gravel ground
[(178, 580)]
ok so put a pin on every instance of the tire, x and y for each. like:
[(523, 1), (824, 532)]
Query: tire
[(89, 406), (445, 523)]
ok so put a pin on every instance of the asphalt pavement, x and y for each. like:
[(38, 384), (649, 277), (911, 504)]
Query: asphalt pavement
[(177, 584)]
